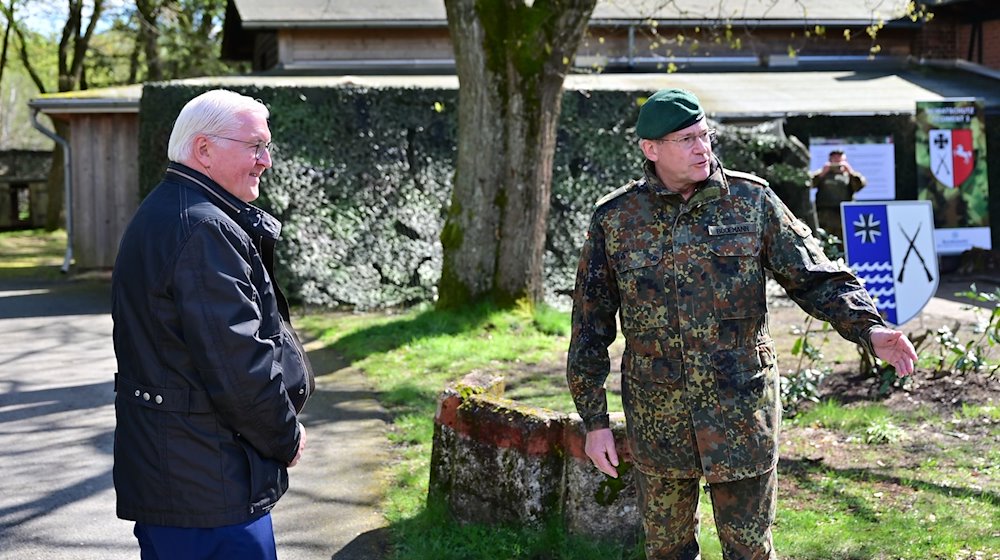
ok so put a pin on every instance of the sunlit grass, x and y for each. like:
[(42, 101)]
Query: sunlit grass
[(833, 415), (31, 253), (893, 496)]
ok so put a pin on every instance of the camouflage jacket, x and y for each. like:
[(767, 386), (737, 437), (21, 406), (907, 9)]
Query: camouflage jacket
[(834, 188), (699, 375)]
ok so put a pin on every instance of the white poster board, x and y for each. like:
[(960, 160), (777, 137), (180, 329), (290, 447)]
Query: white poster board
[(875, 158)]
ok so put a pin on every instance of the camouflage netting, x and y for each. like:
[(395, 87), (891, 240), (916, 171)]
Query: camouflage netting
[(361, 178)]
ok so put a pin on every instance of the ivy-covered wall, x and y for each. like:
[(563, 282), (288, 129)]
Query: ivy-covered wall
[(359, 182), (362, 177)]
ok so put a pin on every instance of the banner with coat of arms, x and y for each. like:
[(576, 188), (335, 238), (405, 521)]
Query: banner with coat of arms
[(951, 171), (890, 246), (952, 156)]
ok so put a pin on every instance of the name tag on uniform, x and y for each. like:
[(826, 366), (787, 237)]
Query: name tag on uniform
[(731, 229)]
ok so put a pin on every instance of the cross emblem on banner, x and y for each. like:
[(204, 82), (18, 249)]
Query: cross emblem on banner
[(941, 140), (867, 228)]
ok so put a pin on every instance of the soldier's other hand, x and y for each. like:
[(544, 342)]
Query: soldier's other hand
[(893, 347), (601, 450)]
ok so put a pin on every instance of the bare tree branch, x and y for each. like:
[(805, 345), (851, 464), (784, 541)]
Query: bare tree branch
[(26, 60)]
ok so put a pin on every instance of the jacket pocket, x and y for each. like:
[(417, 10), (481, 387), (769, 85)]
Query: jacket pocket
[(653, 371), (658, 422), (268, 479), (747, 384), (738, 284), (641, 286), (297, 372)]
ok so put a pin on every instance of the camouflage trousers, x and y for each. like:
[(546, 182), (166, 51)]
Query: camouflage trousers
[(744, 512), (829, 219)]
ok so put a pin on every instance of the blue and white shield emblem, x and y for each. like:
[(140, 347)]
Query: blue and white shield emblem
[(890, 245)]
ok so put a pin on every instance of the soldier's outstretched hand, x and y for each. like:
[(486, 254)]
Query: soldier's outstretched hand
[(601, 450), (893, 347)]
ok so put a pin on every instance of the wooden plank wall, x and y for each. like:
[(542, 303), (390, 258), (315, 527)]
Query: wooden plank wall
[(105, 159), (345, 45)]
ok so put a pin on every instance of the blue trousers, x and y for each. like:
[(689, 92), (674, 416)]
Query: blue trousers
[(253, 540)]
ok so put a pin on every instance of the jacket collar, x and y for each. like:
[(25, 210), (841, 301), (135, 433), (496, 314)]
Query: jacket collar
[(251, 218), (715, 186)]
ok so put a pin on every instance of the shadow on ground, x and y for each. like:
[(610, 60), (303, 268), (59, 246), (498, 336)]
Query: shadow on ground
[(366, 546)]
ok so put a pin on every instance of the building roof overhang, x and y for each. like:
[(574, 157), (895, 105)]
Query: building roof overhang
[(748, 94), (123, 99), (330, 14)]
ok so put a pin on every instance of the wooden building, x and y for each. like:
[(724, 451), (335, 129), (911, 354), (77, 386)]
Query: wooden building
[(104, 169), (399, 36), (966, 30)]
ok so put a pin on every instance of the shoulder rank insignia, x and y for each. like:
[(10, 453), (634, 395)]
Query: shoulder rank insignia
[(746, 177), (617, 192)]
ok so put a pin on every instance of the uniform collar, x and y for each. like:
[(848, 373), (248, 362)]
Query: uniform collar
[(715, 186), (253, 219)]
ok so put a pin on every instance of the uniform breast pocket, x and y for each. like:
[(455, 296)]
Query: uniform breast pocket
[(641, 285), (738, 279)]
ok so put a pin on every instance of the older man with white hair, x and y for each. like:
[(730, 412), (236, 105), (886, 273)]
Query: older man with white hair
[(211, 377)]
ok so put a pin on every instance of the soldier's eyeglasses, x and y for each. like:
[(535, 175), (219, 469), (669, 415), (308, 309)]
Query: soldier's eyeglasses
[(259, 147), (688, 142)]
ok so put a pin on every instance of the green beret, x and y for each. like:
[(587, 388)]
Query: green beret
[(666, 111)]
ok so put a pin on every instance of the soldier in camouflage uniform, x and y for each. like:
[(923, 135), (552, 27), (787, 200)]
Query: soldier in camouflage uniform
[(682, 255), (836, 182)]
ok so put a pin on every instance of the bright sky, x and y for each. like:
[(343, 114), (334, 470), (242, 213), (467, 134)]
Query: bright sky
[(49, 16)]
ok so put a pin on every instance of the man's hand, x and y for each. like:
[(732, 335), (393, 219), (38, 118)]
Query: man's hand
[(601, 450), (302, 446), (893, 347)]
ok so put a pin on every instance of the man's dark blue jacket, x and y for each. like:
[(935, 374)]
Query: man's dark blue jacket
[(211, 375)]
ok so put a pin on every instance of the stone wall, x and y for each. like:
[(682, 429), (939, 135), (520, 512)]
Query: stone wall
[(495, 461)]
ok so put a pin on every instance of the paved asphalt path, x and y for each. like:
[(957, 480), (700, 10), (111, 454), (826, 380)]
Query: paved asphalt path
[(57, 500)]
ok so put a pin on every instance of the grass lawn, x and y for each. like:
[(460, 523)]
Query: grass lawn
[(857, 481), (34, 254)]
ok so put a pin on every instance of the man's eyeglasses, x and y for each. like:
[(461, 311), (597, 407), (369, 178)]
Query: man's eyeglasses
[(687, 142), (259, 147)]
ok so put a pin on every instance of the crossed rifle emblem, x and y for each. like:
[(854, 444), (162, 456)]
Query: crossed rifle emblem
[(913, 249)]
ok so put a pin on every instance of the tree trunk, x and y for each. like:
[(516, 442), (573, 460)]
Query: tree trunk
[(147, 39), (511, 60), (9, 14)]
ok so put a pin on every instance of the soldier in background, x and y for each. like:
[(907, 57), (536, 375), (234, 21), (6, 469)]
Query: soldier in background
[(682, 255), (836, 182)]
